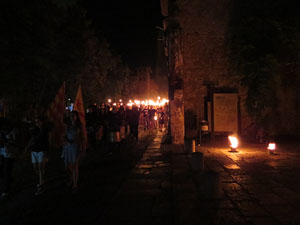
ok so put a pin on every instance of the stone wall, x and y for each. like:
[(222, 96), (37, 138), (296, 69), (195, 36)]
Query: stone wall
[(177, 118), (198, 56), (204, 25)]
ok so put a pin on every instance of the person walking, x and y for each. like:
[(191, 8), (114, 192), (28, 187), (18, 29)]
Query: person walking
[(72, 149), (8, 150), (152, 113), (133, 117), (146, 117), (39, 146), (161, 119), (114, 124)]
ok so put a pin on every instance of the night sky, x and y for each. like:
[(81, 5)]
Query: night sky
[(129, 26)]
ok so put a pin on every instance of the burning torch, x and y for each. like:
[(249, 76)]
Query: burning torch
[(271, 147), (233, 143)]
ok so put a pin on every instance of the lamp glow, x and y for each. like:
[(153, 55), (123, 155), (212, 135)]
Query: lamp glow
[(271, 147), (233, 143)]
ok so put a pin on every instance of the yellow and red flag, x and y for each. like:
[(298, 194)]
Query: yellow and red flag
[(78, 106), (56, 117)]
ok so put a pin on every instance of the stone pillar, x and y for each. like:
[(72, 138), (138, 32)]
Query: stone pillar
[(177, 117)]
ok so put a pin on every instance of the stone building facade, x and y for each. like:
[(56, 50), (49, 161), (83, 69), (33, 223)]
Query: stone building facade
[(198, 64)]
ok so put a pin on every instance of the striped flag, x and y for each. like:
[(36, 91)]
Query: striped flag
[(78, 106), (56, 117)]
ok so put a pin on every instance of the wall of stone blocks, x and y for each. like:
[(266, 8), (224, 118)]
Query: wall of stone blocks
[(203, 27)]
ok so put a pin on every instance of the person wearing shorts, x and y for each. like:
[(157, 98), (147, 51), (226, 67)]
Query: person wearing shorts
[(38, 145)]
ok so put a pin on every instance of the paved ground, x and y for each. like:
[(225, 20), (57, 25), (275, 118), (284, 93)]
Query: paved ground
[(100, 177), (161, 187), (146, 196), (256, 187)]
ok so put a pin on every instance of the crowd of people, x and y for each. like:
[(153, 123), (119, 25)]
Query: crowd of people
[(107, 126)]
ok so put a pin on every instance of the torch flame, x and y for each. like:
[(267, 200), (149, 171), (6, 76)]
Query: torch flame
[(155, 117), (272, 146), (158, 103), (233, 141)]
